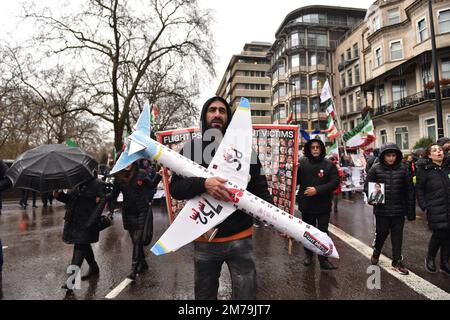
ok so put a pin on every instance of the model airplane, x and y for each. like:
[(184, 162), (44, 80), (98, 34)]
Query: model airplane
[(231, 162)]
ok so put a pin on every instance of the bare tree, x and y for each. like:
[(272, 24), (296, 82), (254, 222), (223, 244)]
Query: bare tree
[(115, 45)]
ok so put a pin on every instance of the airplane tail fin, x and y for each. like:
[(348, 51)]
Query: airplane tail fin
[(135, 150)]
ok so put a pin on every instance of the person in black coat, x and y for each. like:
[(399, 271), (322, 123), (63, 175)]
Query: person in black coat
[(399, 202), (84, 206), (232, 242), (134, 185), (3, 169), (318, 177), (433, 196)]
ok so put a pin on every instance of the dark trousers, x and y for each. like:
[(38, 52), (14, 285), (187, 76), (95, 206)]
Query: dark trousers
[(1, 256), (208, 260), (138, 247), (394, 226), (320, 221), (81, 252), (25, 194), (440, 239), (1, 201)]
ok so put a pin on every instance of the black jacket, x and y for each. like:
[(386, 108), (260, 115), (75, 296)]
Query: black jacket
[(320, 173), (136, 202), (398, 186), (187, 188), (433, 192), (83, 212)]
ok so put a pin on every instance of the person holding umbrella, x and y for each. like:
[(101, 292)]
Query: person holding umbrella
[(84, 206), (134, 185)]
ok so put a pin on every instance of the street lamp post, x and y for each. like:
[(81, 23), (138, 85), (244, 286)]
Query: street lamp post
[(295, 96), (438, 102)]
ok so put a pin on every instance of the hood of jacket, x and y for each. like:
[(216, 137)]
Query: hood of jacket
[(203, 124), (307, 150), (388, 148)]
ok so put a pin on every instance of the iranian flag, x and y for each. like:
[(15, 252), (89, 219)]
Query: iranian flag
[(331, 130), (360, 136), (333, 150), (326, 97), (154, 114)]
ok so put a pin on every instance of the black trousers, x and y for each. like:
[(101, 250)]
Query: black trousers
[(138, 247), (440, 239), (81, 252), (393, 226), (320, 221)]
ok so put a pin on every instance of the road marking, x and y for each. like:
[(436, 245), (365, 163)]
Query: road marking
[(117, 290), (5, 247), (412, 280)]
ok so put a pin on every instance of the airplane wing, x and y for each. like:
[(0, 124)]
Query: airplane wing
[(231, 161)]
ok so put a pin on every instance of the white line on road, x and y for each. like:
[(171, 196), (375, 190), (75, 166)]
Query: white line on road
[(117, 290), (5, 247), (412, 280)]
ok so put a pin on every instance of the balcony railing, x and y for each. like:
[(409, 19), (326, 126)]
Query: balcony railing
[(411, 100)]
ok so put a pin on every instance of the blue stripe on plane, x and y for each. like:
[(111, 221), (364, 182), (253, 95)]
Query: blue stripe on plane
[(244, 103), (157, 249)]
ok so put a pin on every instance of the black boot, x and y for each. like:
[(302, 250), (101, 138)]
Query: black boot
[(430, 265), (325, 264), (134, 263), (375, 257), (308, 259), (445, 266), (77, 260), (93, 271), (143, 266)]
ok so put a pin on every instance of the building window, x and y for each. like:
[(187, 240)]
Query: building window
[(351, 107), (444, 20), (317, 39), (357, 79), (381, 97), (355, 50), (401, 138), (422, 30), (295, 61), (378, 57), (312, 59), (446, 68), (376, 23), (396, 49), (281, 91), (383, 136), (393, 16), (294, 40), (430, 128), (342, 80), (300, 105), (426, 74), (349, 54), (314, 104), (398, 90), (281, 68), (350, 77), (344, 105), (358, 100), (342, 58)]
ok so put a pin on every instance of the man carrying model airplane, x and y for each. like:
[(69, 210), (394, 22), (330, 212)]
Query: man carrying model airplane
[(232, 241)]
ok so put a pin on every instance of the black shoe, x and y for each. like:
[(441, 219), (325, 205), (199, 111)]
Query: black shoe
[(430, 265), (142, 266), (308, 260), (93, 271), (400, 268), (375, 257), (445, 268), (327, 265), (132, 275)]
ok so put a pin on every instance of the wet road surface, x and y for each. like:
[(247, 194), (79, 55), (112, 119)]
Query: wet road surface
[(36, 260)]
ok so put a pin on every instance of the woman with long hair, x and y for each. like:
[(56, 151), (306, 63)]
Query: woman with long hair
[(433, 195), (134, 185)]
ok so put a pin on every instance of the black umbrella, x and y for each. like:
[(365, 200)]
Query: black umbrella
[(51, 167)]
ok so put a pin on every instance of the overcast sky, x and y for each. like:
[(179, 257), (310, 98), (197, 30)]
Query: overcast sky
[(236, 22)]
